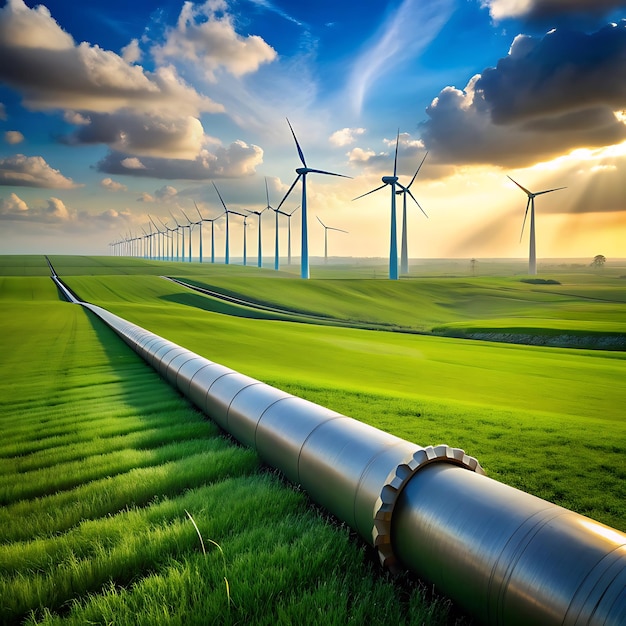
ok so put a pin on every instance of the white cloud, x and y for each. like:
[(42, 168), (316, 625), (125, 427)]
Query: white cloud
[(12, 205), (237, 160), (166, 192), (23, 171), (534, 9), (14, 208), (132, 52), (22, 27), (142, 134), (42, 61), (145, 197), (112, 185), (358, 155), (132, 163), (78, 119), (345, 136), (13, 137), (205, 35)]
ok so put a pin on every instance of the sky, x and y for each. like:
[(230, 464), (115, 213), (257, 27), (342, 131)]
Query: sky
[(113, 113)]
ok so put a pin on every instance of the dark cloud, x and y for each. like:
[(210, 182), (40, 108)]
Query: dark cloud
[(542, 10), (547, 96), (237, 160), (565, 71)]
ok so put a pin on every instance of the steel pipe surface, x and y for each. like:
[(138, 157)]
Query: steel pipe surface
[(508, 557), (503, 555)]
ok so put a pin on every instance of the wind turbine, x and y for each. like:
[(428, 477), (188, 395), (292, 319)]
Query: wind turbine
[(326, 229), (226, 211), (170, 253), (404, 249), (532, 256), (160, 240), (289, 216), (182, 230), (393, 244), (190, 225), (259, 213), (277, 212), (302, 172)]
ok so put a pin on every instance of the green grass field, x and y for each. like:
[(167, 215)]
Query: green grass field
[(547, 420), (100, 464)]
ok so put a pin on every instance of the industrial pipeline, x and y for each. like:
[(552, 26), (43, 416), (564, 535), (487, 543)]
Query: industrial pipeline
[(504, 556)]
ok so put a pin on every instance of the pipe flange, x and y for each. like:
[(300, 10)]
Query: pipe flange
[(395, 482)]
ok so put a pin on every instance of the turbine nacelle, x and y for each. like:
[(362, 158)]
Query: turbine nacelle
[(389, 180)]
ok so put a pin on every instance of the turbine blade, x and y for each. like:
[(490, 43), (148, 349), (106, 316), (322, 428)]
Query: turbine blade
[(524, 222), (369, 192), (417, 171), (320, 221), (329, 173), (197, 209), (395, 160), (297, 144), (220, 197), (185, 214), (528, 193), (288, 192), (337, 229), (290, 214), (550, 190), (416, 202), (267, 194)]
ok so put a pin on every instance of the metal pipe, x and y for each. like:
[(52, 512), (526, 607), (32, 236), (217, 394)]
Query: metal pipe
[(503, 555)]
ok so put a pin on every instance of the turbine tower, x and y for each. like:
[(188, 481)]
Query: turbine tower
[(393, 244), (227, 212), (245, 239), (302, 172), (532, 255), (326, 229), (404, 249)]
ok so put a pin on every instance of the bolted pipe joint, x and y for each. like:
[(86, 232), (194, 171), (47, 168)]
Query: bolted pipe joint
[(395, 483)]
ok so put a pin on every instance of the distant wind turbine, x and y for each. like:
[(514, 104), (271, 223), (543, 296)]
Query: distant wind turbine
[(393, 245), (277, 212), (326, 229), (160, 240), (532, 256), (169, 248), (200, 225), (404, 249), (190, 226), (289, 216), (227, 212), (259, 213), (302, 172), (212, 221), (182, 230)]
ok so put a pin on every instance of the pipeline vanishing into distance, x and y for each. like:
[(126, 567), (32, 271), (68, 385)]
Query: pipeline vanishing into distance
[(504, 556)]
